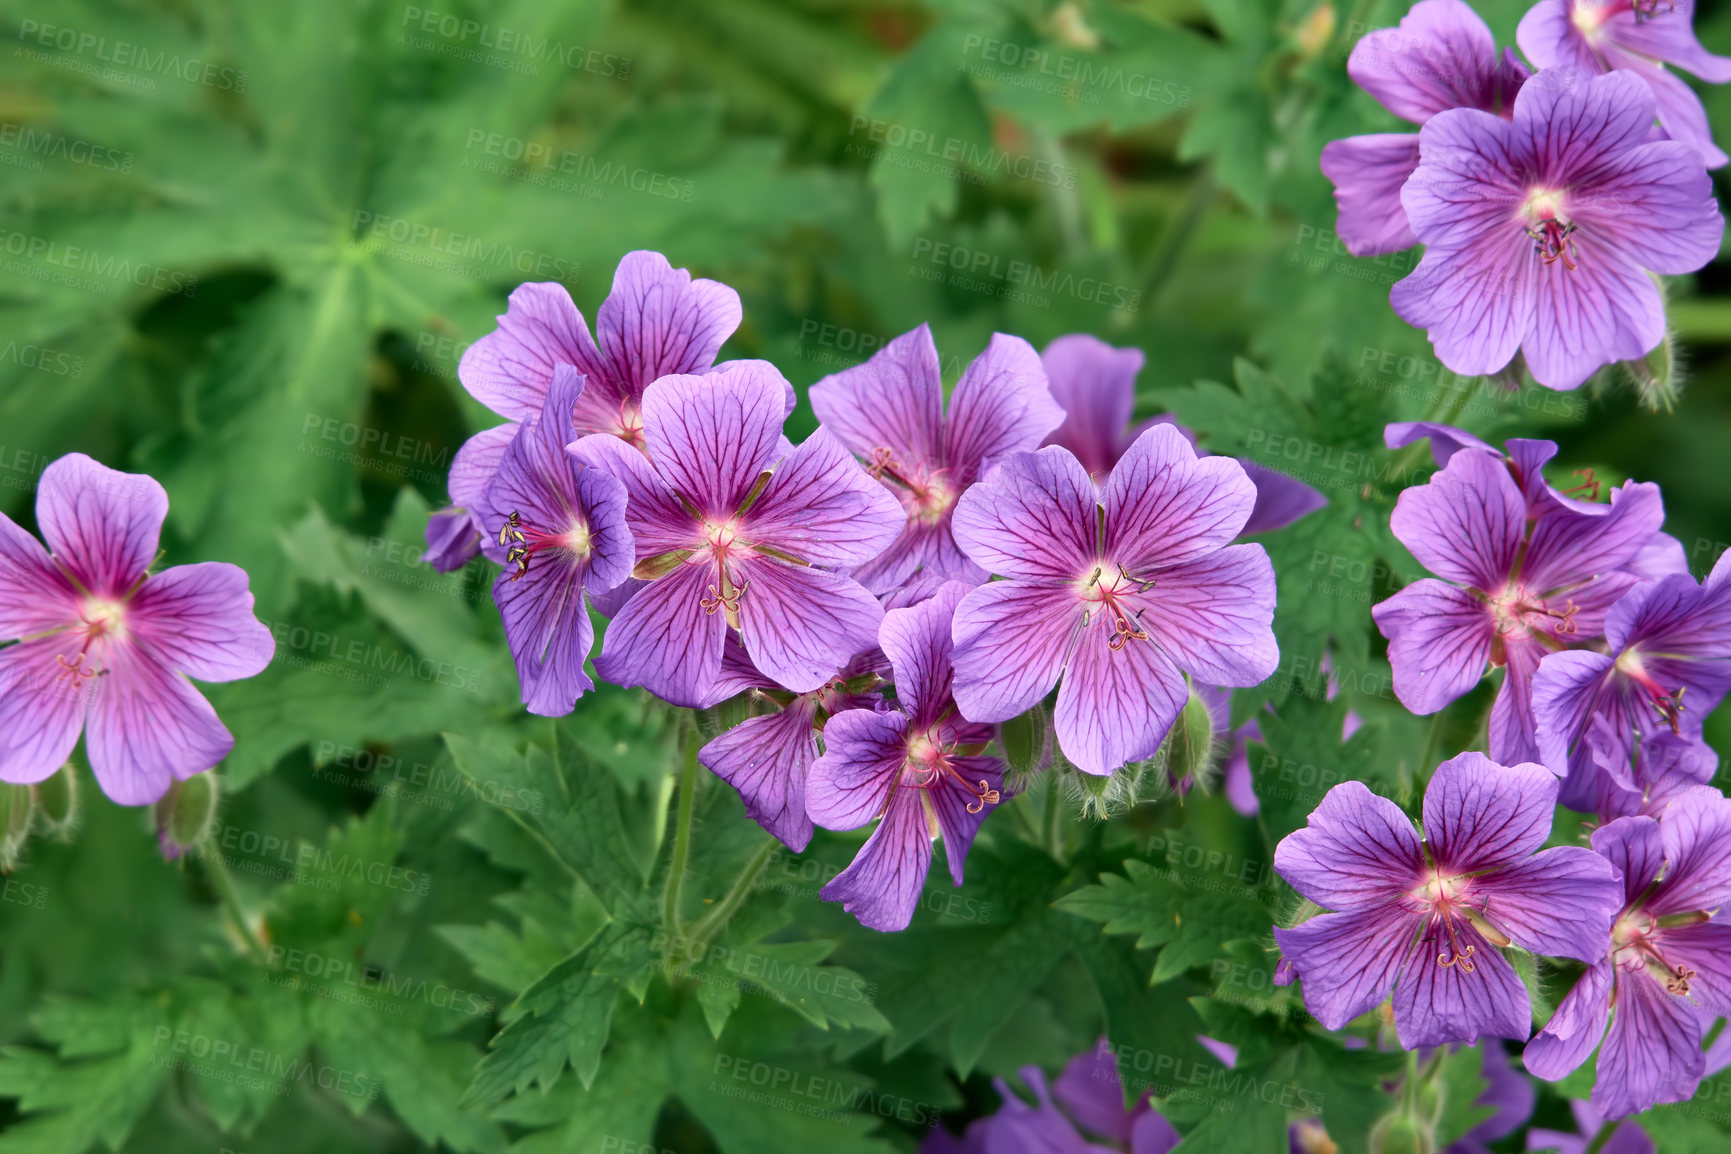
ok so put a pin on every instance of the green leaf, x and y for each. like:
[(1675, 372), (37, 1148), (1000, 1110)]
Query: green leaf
[(1164, 911)]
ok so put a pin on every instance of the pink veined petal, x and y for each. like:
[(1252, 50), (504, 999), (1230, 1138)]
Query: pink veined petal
[(1280, 500), (657, 520), (475, 464), (1657, 204), (1001, 405), (1035, 516), (894, 401), (1115, 705), (1479, 815), (34, 595), (1472, 177), (1696, 832), (1467, 523), (41, 708), (1568, 548), (766, 759), (1348, 962), (1213, 616), (1682, 115), (1548, 37), (550, 633), (862, 761), (1474, 303), (1011, 643), (1442, 56), (509, 369), (658, 321), (1166, 506), (1435, 1004), (918, 643), (1652, 1052), (950, 803), (664, 641), (1559, 902), (1095, 385), (916, 548), (102, 525), (1445, 440), (1576, 1029), (453, 539), (1705, 949), (1670, 36), (1603, 310), (1368, 172), (1439, 642), (198, 619), (882, 886), (1511, 735), (1571, 125), (801, 625), (1356, 851), (712, 436), (821, 507), (1565, 689), (1635, 848), (148, 727)]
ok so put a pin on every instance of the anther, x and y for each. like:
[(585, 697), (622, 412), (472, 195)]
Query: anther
[(1553, 241), (1589, 485)]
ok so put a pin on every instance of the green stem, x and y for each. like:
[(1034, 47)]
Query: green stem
[(223, 882), (1054, 831), (716, 919), (681, 833), (1603, 1136), (1201, 193)]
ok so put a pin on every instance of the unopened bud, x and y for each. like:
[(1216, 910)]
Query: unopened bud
[(1190, 745), (1657, 376), (56, 799), (1025, 739), (186, 813), (15, 810), (1400, 1134)]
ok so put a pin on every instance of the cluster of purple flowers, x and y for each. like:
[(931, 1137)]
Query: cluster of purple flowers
[(845, 584), (1611, 654), (1545, 198)]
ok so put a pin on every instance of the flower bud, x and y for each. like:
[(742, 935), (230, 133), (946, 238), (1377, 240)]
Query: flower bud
[(1026, 740), (56, 799), (1399, 1133), (185, 814), (15, 812), (1190, 745), (1657, 377)]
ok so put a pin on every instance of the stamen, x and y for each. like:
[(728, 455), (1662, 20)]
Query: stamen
[(983, 796), (1589, 485), (1566, 619), (1679, 983), (716, 599), (884, 461), (76, 669), (1126, 632), (1462, 958), (1553, 241), (525, 541)]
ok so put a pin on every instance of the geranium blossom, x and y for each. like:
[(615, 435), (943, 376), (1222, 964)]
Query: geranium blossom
[(105, 646), (1423, 917), (1119, 593)]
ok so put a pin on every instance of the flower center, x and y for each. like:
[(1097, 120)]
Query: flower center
[(1519, 613), (721, 534), (1635, 946), (926, 498), (1667, 703), (104, 622), (1549, 226), (526, 540), (629, 425), (927, 762), (1442, 895), (1106, 590)]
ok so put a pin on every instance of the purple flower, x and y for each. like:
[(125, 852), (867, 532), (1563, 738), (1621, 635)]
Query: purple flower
[(767, 758), (1667, 972), (1095, 384), (561, 532), (918, 768), (1628, 1138), (1441, 57), (1423, 918), (890, 412), (1092, 1098), (1642, 36), (1516, 588), (105, 647), (1541, 241), (1646, 779), (656, 321), (1119, 593), (1668, 665), (724, 543)]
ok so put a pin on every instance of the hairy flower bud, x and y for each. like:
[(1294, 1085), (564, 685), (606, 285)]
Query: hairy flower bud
[(186, 813), (56, 799)]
